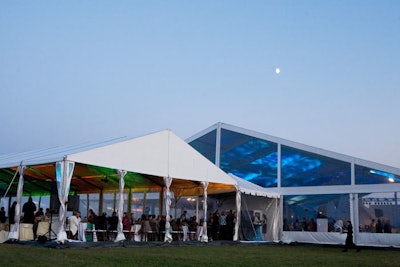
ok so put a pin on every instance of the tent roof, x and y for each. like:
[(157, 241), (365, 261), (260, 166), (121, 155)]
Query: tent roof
[(249, 188), (147, 159)]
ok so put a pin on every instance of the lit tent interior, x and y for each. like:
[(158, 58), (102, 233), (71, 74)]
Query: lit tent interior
[(158, 162)]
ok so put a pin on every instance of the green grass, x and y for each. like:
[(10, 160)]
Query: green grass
[(224, 255)]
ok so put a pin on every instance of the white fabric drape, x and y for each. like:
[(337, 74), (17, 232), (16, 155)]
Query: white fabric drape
[(120, 234), (238, 212), (204, 237), (168, 236), (14, 233), (64, 171)]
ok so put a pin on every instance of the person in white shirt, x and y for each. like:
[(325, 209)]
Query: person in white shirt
[(73, 222)]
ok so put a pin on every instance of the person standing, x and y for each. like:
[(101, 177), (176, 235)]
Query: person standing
[(29, 209), (349, 239), (73, 222), (3, 216), (11, 214)]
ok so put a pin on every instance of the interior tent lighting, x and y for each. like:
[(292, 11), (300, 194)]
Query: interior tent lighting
[(391, 177)]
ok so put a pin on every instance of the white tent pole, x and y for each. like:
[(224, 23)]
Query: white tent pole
[(120, 234), (238, 214), (64, 171), (168, 236), (14, 233), (204, 237)]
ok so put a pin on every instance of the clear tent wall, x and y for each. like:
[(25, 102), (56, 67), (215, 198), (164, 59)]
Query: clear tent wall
[(319, 188)]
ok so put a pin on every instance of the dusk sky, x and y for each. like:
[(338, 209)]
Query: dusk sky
[(77, 71)]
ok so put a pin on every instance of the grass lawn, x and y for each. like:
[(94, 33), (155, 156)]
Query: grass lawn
[(224, 255)]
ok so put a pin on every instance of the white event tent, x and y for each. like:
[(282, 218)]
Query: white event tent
[(160, 161)]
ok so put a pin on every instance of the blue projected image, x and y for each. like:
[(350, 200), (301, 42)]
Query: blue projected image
[(390, 176), (365, 175), (271, 160), (249, 158), (293, 164), (303, 168)]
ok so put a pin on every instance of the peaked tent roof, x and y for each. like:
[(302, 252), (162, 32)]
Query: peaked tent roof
[(147, 159), (160, 154)]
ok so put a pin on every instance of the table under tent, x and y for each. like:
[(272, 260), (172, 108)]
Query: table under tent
[(159, 162)]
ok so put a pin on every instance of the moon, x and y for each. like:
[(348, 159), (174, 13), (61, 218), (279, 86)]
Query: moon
[(277, 70)]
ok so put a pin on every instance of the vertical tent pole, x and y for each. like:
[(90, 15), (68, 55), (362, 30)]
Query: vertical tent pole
[(101, 200), (168, 182), (197, 210), (238, 214), (64, 171), (87, 204), (144, 201), (115, 201), (14, 233), (120, 234), (204, 237), (129, 202), (161, 202)]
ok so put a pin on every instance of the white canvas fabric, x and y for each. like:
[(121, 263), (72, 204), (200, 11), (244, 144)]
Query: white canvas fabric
[(204, 236), (168, 236), (14, 233), (120, 234), (160, 154), (64, 171), (238, 211)]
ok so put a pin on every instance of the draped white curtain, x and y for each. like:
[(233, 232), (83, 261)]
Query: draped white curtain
[(64, 171), (120, 234), (238, 211), (14, 233), (168, 236), (204, 237)]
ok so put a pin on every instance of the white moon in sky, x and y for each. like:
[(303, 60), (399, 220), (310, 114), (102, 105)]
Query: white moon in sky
[(277, 70)]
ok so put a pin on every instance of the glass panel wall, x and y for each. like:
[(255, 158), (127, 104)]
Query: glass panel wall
[(250, 158), (322, 213), (365, 175), (379, 212), (302, 168)]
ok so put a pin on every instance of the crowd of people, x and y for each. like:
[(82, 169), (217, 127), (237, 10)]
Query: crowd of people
[(220, 226), (303, 225), (380, 225)]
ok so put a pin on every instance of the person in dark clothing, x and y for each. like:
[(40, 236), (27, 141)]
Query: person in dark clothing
[(3, 216), (29, 209), (113, 222), (230, 225), (349, 239), (11, 214), (379, 226)]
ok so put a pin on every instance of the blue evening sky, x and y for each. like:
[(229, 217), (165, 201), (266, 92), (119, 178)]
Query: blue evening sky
[(76, 71)]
